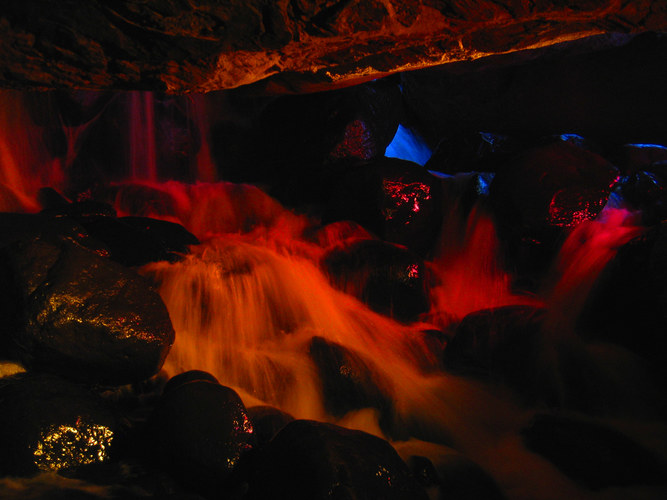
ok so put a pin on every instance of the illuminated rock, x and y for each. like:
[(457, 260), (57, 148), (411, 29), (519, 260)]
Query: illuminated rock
[(397, 200), (543, 192), (200, 432), (207, 45), (309, 460), (72, 312), (48, 424)]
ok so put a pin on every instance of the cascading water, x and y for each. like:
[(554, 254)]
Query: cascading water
[(249, 302)]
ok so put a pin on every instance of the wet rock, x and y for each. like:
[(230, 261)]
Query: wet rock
[(591, 454), (388, 278), (267, 421), (397, 200), (200, 432), (541, 193), (349, 380), (72, 312), (49, 424), (187, 377), (497, 344), (643, 191), (311, 460), (135, 241)]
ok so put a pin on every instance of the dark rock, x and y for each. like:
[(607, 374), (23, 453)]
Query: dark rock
[(135, 241), (455, 477), (200, 432), (349, 380), (397, 200), (267, 421), (637, 157), (67, 310), (48, 424), (23, 227), (628, 304), (139, 199), (643, 191), (591, 454), (311, 461), (498, 344), (187, 377), (481, 152), (388, 278), (541, 193)]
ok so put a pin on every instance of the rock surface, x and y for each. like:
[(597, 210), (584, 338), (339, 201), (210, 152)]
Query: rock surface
[(70, 311), (208, 45), (311, 461), (49, 424)]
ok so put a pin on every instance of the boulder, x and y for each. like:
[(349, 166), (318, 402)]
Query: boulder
[(70, 311), (50, 424), (267, 421), (388, 278), (397, 200), (543, 192), (591, 454), (349, 380), (311, 460), (199, 433)]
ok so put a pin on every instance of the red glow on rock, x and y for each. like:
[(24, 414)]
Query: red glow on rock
[(405, 195), (357, 142)]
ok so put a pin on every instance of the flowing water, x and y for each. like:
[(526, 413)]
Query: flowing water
[(247, 303)]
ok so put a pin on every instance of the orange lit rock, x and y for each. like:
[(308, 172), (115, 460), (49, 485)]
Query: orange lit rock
[(297, 45)]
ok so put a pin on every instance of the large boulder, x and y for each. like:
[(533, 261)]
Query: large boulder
[(310, 460), (397, 200), (49, 424), (200, 431), (67, 310)]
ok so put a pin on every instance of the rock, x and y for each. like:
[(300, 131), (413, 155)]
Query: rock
[(308, 139), (591, 454), (478, 152), (628, 303), (267, 421), (135, 241), (186, 377), (643, 191), (349, 381), (455, 477), (200, 432), (49, 424), (541, 193), (497, 344), (397, 200), (312, 460), (69, 311), (388, 278), (637, 157)]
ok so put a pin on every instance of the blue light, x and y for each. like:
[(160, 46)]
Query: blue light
[(407, 145)]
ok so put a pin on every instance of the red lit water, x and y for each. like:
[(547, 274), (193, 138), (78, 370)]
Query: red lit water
[(247, 302)]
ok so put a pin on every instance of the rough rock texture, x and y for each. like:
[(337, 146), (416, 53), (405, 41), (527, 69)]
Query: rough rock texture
[(67, 310), (49, 424), (205, 45)]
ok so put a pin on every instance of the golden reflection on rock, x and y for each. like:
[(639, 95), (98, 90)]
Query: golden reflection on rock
[(66, 446)]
